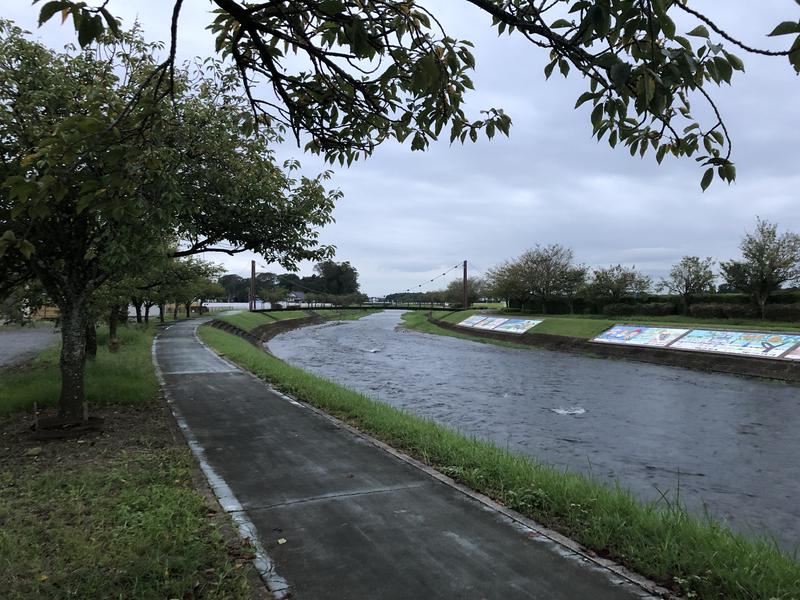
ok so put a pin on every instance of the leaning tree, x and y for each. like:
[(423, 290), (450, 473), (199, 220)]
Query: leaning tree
[(372, 70), (93, 176)]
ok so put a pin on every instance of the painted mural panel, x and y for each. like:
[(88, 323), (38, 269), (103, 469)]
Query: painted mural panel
[(747, 343), (472, 321), (640, 335), (519, 326), (794, 354), (490, 323)]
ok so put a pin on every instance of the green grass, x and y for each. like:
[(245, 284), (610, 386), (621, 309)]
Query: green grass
[(418, 321), (695, 557), (116, 516), (588, 326), (347, 314), (123, 377), (128, 527), (250, 320)]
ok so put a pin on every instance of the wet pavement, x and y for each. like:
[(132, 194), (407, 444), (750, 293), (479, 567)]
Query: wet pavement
[(720, 443), (333, 515), (18, 344)]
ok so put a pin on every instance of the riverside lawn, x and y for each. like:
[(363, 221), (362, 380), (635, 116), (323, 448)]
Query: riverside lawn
[(584, 326), (115, 515), (698, 558), (248, 321)]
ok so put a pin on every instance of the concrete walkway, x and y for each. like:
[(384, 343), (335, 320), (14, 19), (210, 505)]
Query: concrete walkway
[(338, 517), (18, 344)]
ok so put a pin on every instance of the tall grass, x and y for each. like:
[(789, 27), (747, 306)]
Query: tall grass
[(693, 556)]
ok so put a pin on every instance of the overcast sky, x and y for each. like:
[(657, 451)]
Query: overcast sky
[(408, 216)]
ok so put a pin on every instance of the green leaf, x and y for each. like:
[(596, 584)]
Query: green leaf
[(597, 115), (26, 248), (548, 70), (667, 26), (734, 60), (786, 28), (560, 24), (620, 73), (584, 97), (699, 31), (707, 177), (48, 10)]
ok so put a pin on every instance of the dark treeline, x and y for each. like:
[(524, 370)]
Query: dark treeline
[(331, 282), (547, 280)]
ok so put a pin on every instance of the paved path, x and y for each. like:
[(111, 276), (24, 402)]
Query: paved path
[(358, 522), (18, 344)]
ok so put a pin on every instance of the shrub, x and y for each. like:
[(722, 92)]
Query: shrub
[(784, 312), (650, 309)]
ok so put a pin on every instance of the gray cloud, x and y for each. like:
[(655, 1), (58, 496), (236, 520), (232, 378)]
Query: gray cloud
[(407, 216)]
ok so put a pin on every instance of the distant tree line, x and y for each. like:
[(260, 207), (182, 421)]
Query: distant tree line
[(547, 279), (331, 283)]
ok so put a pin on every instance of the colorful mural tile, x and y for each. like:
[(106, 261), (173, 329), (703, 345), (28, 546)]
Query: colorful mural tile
[(472, 321), (794, 354), (517, 325), (640, 335), (746, 343), (490, 323)]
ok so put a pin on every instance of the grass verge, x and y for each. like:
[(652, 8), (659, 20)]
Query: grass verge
[(124, 378), (111, 516), (250, 320), (695, 557)]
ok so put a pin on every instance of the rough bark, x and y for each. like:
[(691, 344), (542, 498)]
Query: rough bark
[(91, 340), (113, 321), (162, 306), (73, 358), (137, 306)]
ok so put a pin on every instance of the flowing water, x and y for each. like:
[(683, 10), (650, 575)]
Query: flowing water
[(720, 443)]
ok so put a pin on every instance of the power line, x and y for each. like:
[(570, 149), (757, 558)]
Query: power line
[(453, 268)]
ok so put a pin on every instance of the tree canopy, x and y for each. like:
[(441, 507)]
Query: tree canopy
[(768, 261), (372, 70), (96, 180)]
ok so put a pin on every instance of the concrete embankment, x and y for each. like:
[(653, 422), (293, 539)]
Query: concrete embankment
[(267, 331), (783, 370)]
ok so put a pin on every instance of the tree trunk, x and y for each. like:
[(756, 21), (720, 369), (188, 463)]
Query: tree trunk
[(137, 306), (73, 359), (762, 305), (175, 311), (91, 340), (162, 306), (147, 306), (113, 320), (188, 307)]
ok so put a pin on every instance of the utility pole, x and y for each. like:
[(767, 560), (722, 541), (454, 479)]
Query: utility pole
[(252, 285), (465, 286)]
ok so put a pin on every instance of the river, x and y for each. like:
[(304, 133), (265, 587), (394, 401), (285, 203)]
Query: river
[(720, 443)]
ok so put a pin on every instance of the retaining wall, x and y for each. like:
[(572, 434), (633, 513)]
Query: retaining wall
[(739, 365)]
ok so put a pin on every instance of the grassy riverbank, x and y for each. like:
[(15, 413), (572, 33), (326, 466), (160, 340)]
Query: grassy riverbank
[(110, 516), (698, 558), (588, 326), (248, 321)]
